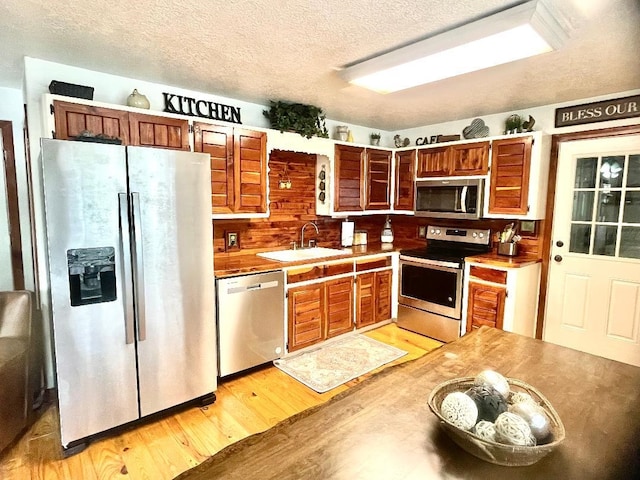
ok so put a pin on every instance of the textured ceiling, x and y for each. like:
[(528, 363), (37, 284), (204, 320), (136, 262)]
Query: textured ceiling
[(289, 50)]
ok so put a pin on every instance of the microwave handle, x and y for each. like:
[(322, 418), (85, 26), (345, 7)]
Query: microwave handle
[(463, 199)]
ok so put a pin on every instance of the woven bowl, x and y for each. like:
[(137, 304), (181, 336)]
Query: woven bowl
[(498, 453)]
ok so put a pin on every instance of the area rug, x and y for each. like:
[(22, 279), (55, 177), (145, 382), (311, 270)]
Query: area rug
[(338, 362)]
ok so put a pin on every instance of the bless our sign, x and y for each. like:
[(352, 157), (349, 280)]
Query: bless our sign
[(617, 109)]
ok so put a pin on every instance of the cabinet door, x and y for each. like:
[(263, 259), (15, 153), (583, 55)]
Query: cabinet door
[(73, 118), (405, 183), (378, 179), (349, 166), (486, 305), (217, 141), (434, 162), (339, 306), (250, 171), (509, 185), (365, 299), (383, 295), (306, 316), (470, 159), (154, 131)]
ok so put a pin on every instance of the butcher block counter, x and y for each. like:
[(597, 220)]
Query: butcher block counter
[(226, 264), (494, 260)]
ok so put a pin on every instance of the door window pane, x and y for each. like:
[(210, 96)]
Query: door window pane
[(582, 206), (604, 241), (580, 238), (633, 175), (608, 206), (630, 242), (631, 212), (586, 172), (611, 171)]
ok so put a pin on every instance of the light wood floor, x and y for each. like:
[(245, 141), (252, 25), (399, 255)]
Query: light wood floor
[(172, 444)]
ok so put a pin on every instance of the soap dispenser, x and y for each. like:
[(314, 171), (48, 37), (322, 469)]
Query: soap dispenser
[(387, 232)]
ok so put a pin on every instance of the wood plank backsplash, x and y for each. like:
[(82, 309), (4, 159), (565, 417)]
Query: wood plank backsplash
[(291, 208)]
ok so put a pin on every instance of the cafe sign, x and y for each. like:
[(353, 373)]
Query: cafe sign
[(616, 109), (200, 108)]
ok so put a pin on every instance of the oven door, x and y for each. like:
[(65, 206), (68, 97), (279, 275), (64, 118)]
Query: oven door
[(431, 287)]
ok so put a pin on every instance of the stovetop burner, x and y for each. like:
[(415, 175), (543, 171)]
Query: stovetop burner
[(452, 244)]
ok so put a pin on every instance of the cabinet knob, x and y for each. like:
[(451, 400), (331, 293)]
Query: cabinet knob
[(558, 258), (559, 243)]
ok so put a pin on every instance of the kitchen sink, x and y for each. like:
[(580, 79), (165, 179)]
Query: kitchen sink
[(303, 254)]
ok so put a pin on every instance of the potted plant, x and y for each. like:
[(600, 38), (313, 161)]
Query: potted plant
[(375, 138), (307, 120)]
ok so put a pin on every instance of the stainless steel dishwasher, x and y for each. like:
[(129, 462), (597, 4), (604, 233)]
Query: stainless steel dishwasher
[(250, 320)]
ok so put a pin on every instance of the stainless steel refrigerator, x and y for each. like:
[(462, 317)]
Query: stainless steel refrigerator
[(130, 255)]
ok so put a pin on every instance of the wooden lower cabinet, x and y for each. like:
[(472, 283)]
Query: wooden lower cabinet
[(339, 306), (306, 316), (373, 297), (486, 305)]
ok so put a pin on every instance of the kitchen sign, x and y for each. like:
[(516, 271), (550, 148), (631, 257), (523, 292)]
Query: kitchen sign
[(200, 108), (616, 109)]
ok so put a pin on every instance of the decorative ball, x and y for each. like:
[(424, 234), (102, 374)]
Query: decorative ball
[(494, 379), (489, 401), (513, 430), (535, 417), (485, 430), (460, 410), (519, 397)]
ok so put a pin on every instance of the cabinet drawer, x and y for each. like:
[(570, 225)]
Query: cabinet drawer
[(489, 274), (338, 269), (363, 265), (305, 273)]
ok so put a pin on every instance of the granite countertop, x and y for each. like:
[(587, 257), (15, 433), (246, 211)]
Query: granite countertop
[(495, 260), (226, 264)]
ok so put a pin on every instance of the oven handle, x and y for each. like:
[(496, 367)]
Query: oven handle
[(436, 264), (463, 199)]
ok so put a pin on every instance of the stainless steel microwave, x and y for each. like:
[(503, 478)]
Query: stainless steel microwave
[(449, 198)]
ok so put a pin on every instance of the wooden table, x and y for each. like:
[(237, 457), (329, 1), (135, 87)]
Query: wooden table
[(383, 428)]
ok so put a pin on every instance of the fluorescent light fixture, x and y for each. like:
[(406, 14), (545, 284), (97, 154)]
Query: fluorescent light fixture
[(522, 31)]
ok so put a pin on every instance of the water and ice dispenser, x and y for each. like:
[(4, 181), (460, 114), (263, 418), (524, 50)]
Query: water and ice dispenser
[(92, 275)]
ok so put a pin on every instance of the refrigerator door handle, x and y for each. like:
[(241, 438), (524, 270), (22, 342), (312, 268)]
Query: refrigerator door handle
[(125, 246), (138, 270)]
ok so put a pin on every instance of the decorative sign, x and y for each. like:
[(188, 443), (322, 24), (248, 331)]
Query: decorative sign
[(200, 108), (616, 109)]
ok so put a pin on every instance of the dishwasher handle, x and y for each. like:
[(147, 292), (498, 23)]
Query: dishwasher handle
[(252, 287)]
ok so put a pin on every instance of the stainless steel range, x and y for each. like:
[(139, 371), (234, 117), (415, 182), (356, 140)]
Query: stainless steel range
[(431, 281)]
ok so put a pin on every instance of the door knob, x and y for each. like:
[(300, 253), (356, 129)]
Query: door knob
[(558, 258), (559, 243)]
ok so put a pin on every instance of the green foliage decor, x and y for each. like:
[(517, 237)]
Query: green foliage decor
[(307, 120)]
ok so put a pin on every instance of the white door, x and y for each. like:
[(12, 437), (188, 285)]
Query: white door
[(594, 286), (6, 273)]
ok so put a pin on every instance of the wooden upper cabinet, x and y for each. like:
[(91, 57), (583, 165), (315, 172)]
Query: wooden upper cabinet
[(339, 306), (72, 118), (405, 184), (349, 175), (378, 179), (485, 305), (250, 171), (156, 131), (509, 184), (238, 167), (217, 141), (434, 162), (470, 159)]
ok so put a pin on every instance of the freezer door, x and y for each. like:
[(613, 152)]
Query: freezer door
[(95, 366), (173, 277)]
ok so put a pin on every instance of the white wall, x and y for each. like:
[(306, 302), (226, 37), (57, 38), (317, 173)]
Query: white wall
[(543, 115), (11, 109)]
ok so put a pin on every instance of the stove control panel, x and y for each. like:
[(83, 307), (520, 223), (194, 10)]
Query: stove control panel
[(459, 235)]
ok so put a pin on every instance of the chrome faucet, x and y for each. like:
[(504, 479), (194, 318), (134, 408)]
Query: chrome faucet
[(302, 233)]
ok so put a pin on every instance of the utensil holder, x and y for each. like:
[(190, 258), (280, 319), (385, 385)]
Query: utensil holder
[(508, 249)]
